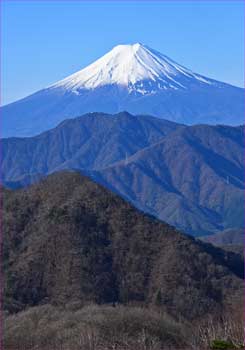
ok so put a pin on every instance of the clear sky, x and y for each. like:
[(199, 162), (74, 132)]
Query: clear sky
[(44, 41)]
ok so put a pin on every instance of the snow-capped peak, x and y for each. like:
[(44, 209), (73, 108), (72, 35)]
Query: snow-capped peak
[(137, 67)]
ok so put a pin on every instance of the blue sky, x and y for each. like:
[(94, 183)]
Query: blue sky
[(44, 41)]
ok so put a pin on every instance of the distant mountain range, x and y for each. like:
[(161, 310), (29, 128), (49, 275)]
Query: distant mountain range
[(232, 237), (133, 78), (68, 239), (189, 176)]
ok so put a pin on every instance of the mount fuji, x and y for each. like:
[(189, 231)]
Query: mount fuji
[(133, 78)]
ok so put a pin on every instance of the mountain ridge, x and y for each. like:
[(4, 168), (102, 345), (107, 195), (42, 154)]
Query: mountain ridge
[(110, 252), (188, 176), (189, 183), (133, 78)]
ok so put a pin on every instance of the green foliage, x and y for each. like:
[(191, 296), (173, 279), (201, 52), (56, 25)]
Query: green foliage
[(222, 344), (159, 298)]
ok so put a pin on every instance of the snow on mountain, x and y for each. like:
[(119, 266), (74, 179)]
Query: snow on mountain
[(133, 78), (130, 65)]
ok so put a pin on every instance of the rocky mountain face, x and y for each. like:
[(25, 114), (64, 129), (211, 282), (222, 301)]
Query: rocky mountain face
[(189, 176), (69, 239), (133, 78)]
